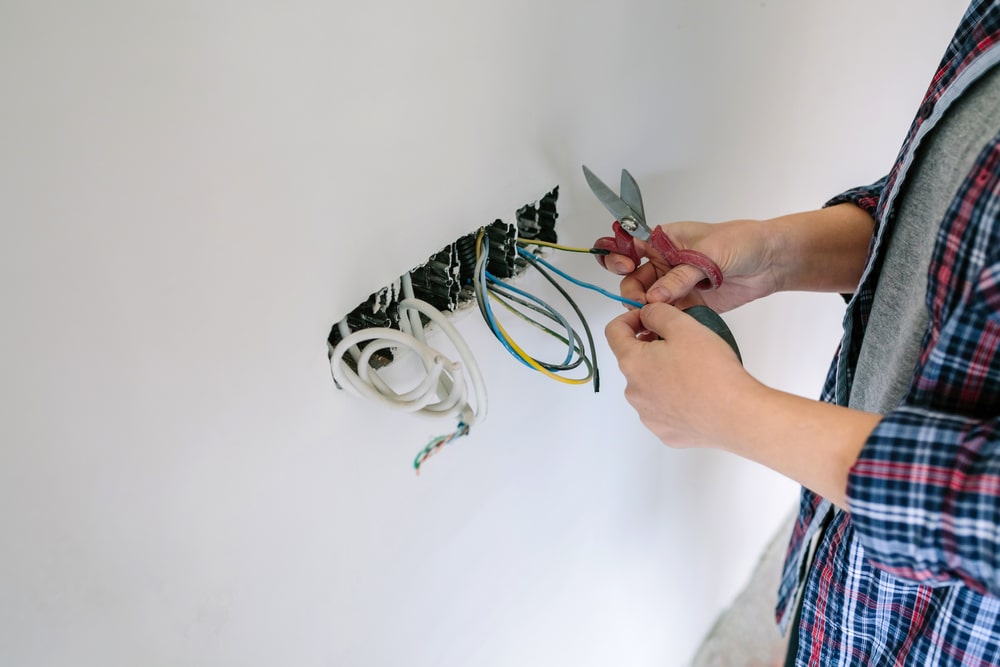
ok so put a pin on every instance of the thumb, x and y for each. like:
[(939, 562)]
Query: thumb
[(660, 317), (675, 284)]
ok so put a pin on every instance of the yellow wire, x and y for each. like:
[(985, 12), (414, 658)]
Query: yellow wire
[(541, 326), (553, 245), (524, 317), (534, 364), (517, 348)]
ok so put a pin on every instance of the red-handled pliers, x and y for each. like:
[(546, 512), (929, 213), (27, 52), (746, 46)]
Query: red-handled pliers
[(630, 224)]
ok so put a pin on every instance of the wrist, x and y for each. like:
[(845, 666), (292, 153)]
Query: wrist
[(776, 252), (819, 251)]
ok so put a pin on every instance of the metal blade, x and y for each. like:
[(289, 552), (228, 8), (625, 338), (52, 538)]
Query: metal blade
[(632, 196), (615, 204)]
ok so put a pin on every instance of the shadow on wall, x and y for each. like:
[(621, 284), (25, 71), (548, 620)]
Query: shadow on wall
[(747, 628)]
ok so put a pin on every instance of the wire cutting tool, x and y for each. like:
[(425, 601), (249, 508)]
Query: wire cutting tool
[(630, 224)]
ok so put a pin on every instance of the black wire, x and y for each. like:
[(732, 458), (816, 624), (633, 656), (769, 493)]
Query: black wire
[(579, 314), (482, 295), (576, 346), (501, 289)]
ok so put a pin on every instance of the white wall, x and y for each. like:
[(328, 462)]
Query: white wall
[(191, 193)]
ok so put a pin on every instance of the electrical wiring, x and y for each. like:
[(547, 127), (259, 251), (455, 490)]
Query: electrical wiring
[(443, 391), (576, 281), (532, 362), (495, 285), (535, 261), (566, 248), (506, 300), (456, 388), (480, 281), (580, 355), (576, 355), (435, 445)]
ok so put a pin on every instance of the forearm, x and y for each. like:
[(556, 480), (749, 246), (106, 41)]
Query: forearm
[(811, 442), (689, 389), (820, 251)]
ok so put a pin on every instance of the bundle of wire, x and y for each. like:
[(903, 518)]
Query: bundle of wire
[(487, 287), (443, 392)]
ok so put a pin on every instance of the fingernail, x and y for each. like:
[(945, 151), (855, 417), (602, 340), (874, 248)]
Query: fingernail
[(618, 266), (641, 300), (659, 294)]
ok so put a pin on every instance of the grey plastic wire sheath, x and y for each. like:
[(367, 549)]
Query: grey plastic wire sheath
[(443, 391)]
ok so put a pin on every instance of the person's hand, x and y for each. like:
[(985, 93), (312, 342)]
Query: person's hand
[(740, 248), (688, 387), (691, 391)]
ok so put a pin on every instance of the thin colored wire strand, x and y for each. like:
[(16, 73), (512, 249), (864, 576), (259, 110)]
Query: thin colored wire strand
[(507, 302), (534, 364), (494, 283), (435, 445), (534, 260), (576, 281), (581, 357), (565, 248), (498, 329), (479, 286), (502, 299)]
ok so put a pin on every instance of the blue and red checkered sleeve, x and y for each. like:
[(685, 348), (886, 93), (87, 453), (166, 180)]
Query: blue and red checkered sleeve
[(865, 196), (924, 494), (925, 498)]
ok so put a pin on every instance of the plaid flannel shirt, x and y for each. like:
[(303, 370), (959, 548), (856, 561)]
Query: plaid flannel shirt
[(911, 574)]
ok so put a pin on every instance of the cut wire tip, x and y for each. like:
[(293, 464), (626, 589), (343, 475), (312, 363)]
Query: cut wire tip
[(436, 444)]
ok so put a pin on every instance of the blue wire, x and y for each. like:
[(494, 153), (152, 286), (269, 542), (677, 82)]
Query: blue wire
[(531, 257), (555, 313), (484, 301), (499, 336)]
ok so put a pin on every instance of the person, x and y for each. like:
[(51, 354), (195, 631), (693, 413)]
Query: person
[(895, 555)]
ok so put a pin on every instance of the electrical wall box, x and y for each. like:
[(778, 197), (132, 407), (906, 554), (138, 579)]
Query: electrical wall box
[(445, 279)]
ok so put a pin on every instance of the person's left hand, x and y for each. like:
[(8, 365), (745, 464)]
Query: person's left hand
[(685, 382)]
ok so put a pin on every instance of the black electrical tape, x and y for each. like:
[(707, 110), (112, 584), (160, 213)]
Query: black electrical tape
[(711, 319)]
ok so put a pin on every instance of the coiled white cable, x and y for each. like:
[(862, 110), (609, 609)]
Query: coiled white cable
[(443, 391)]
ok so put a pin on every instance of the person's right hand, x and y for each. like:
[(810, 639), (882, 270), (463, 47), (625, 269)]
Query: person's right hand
[(740, 248)]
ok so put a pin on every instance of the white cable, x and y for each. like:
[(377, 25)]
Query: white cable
[(443, 391)]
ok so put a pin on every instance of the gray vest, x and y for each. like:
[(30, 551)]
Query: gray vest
[(891, 346)]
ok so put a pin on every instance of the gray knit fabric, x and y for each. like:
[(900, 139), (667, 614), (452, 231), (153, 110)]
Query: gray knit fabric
[(898, 321)]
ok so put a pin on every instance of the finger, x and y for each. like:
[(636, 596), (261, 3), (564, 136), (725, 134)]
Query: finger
[(614, 261), (659, 318), (621, 332), (635, 285), (675, 284), (619, 264)]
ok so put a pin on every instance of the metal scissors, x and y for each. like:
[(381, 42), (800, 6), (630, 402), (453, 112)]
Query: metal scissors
[(630, 224)]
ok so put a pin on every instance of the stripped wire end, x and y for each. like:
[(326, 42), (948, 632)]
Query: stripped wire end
[(437, 443)]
